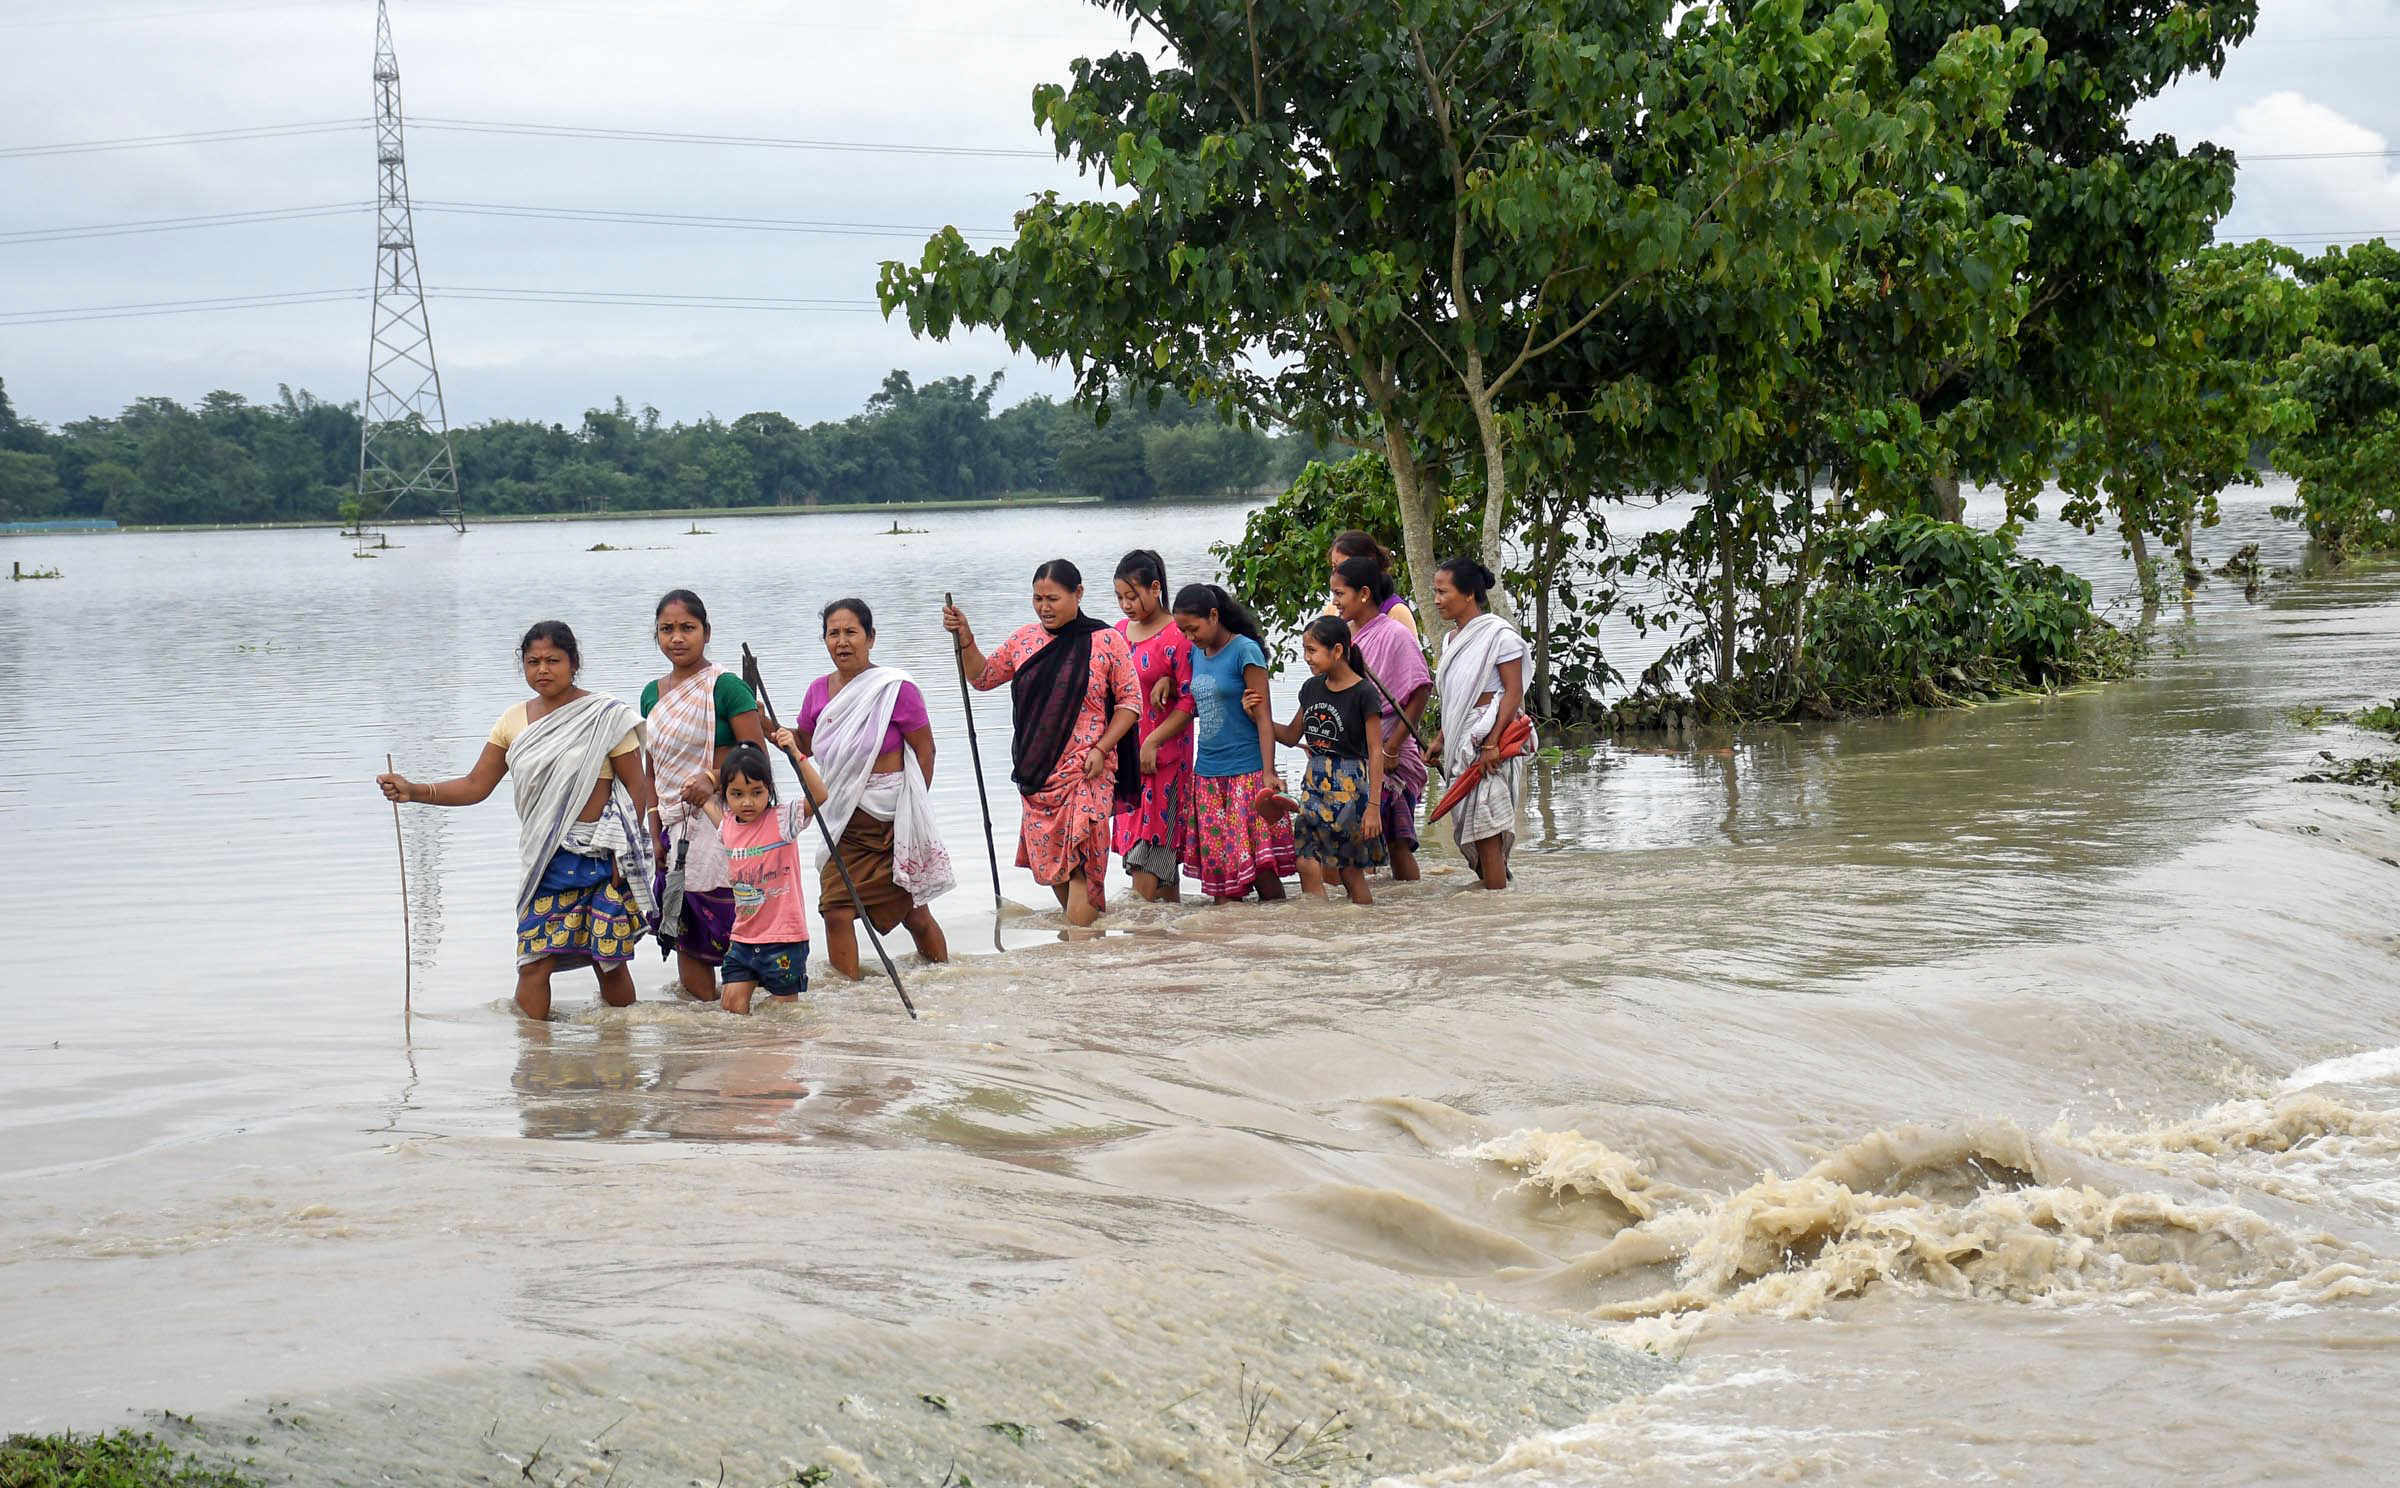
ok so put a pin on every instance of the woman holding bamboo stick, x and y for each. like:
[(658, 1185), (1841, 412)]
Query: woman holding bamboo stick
[(1075, 702), (872, 738), (583, 869)]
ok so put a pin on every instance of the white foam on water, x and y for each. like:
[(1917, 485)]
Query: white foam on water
[(2368, 1067)]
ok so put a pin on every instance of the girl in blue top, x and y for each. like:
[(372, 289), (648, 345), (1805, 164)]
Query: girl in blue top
[(1229, 843)]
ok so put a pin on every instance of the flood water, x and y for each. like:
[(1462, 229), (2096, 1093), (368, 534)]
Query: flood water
[(2009, 1094)]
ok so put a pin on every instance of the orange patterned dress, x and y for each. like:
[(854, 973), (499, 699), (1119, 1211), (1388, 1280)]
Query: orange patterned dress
[(1066, 826)]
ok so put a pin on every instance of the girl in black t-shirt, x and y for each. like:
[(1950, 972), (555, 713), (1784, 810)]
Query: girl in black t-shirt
[(1339, 827)]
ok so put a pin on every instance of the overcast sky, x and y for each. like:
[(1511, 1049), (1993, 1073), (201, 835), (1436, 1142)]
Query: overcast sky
[(2316, 78)]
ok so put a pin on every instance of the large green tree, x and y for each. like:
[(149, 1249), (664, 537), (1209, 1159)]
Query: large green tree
[(1399, 218)]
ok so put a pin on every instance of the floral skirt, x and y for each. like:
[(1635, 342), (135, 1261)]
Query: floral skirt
[(1333, 813), (578, 916), (1227, 845)]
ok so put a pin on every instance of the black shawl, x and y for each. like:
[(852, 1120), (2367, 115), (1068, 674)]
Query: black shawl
[(1046, 697)]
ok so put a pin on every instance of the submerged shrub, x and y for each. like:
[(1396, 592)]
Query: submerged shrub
[(1910, 609)]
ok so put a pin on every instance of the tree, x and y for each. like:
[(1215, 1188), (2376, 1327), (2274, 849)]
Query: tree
[(1394, 220), (2345, 379), (1107, 461), (2108, 217), (28, 485)]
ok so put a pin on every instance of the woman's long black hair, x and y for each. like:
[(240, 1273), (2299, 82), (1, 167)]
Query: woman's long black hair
[(1204, 599)]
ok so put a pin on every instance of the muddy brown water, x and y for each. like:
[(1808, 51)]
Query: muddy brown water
[(2008, 1094)]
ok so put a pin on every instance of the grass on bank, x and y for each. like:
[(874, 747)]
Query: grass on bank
[(116, 1459)]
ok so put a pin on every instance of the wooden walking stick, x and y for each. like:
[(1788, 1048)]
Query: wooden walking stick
[(833, 849), (407, 975), (975, 750)]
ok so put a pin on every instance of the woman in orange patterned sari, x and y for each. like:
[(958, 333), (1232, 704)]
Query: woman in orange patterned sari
[(1074, 700)]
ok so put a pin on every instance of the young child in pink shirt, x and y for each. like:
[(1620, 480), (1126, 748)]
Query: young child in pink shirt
[(769, 946)]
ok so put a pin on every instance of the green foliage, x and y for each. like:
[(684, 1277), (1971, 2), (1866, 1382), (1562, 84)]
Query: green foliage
[(118, 1459), (2383, 718), (296, 459), (2370, 773), (1912, 608), (2345, 376), (1278, 565), (1423, 220), (1866, 616)]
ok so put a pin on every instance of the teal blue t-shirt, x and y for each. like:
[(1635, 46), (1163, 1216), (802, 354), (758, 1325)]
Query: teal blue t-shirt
[(1228, 736)]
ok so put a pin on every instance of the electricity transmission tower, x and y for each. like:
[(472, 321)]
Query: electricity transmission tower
[(404, 436)]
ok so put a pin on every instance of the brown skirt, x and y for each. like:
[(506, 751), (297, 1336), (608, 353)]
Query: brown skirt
[(867, 852)]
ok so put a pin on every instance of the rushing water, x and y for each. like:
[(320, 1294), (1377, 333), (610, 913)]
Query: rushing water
[(2006, 1094)]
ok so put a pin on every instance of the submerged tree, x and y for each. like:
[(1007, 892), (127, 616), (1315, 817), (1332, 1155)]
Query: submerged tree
[(2345, 377)]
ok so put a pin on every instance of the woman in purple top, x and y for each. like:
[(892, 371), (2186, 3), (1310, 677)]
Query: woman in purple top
[(856, 721), (1356, 544), (1395, 662)]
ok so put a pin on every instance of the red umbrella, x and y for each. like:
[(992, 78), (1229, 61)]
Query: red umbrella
[(1513, 740)]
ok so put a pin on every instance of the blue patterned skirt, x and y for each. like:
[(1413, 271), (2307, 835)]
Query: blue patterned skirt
[(1333, 809), (578, 917)]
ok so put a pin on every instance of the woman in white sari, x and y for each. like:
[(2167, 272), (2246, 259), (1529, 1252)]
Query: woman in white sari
[(583, 873), (1481, 681), (856, 721)]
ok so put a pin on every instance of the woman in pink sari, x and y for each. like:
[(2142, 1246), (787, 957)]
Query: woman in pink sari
[(1390, 655), (1149, 837), (1075, 702)]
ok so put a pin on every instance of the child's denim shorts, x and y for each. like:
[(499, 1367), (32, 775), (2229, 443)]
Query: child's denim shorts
[(781, 969)]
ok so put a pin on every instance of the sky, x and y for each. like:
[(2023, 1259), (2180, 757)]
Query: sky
[(943, 73)]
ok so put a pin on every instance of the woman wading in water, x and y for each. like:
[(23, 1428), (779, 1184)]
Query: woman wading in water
[(1362, 590), (1148, 837), (697, 712), (1482, 684), (1228, 844), (582, 873), (855, 721), (1075, 703)]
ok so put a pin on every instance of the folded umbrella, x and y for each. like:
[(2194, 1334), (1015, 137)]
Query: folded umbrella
[(1513, 740), (670, 903)]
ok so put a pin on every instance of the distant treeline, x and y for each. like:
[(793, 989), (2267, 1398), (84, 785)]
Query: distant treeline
[(296, 459)]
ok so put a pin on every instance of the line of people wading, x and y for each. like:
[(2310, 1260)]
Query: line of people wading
[(1153, 741)]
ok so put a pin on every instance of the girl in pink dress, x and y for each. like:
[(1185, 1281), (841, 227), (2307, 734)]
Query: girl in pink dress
[(1075, 703), (1148, 837)]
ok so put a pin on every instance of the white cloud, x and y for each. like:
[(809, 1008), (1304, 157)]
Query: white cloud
[(2356, 194), (924, 71)]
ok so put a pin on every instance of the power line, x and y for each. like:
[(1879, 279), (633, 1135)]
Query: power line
[(527, 129), (627, 299), (104, 18), (671, 137), (2319, 155), (532, 211), (178, 307), (180, 224), (193, 137), (709, 220), (530, 129)]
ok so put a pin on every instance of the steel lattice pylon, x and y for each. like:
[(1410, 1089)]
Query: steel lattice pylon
[(404, 437)]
